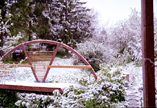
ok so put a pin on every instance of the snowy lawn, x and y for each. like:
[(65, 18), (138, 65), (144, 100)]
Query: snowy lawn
[(22, 75)]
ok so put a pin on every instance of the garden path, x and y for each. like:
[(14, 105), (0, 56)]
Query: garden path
[(134, 97)]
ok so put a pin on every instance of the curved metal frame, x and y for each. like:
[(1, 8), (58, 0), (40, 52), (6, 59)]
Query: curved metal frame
[(48, 68)]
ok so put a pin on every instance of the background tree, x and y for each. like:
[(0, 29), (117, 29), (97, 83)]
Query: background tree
[(4, 19), (42, 20), (3, 12), (125, 38), (155, 32), (22, 18), (65, 21), (70, 22), (28, 18)]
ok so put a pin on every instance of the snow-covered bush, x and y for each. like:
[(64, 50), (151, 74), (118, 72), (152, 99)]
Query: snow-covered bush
[(11, 42), (108, 91), (125, 39), (33, 101), (155, 36), (5, 25), (8, 42), (95, 53)]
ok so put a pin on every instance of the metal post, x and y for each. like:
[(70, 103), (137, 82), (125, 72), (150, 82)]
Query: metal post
[(48, 69), (30, 63), (147, 28)]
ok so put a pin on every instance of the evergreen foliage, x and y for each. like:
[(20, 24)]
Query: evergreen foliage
[(8, 99), (27, 16), (4, 25), (70, 21), (65, 21)]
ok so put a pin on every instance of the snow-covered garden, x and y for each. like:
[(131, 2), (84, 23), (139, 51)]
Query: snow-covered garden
[(109, 90), (79, 86), (115, 53)]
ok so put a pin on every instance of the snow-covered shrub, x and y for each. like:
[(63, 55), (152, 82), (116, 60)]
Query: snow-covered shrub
[(155, 36), (33, 101), (5, 25), (125, 39), (95, 53), (7, 41), (108, 91), (11, 42)]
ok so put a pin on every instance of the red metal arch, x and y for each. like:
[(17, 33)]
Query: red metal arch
[(48, 68)]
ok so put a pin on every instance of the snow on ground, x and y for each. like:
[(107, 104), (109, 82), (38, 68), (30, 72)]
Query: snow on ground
[(66, 77), (16, 75), (22, 75), (135, 74), (134, 91)]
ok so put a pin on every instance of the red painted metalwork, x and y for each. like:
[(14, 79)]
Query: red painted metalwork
[(49, 42), (10, 52), (30, 63), (81, 57), (41, 41), (51, 62)]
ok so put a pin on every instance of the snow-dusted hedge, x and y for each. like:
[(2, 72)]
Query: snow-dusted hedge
[(95, 53), (108, 91)]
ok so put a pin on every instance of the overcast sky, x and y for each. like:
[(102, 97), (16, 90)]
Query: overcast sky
[(111, 11)]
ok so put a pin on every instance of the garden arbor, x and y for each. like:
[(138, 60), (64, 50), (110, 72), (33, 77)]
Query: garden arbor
[(88, 66)]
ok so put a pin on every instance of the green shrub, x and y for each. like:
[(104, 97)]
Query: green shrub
[(95, 66), (60, 53), (8, 99)]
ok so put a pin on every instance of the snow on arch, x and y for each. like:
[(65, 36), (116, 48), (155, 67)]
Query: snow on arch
[(58, 44)]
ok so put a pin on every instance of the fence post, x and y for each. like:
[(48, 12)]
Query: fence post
[(147, 30)]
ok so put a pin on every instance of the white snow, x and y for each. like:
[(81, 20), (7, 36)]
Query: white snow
[(60, 77), (49, 85)]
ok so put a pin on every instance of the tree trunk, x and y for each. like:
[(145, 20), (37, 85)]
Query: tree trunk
[(66, 52), (30, 36), (3, 12), (1, 44), (30, 27)]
